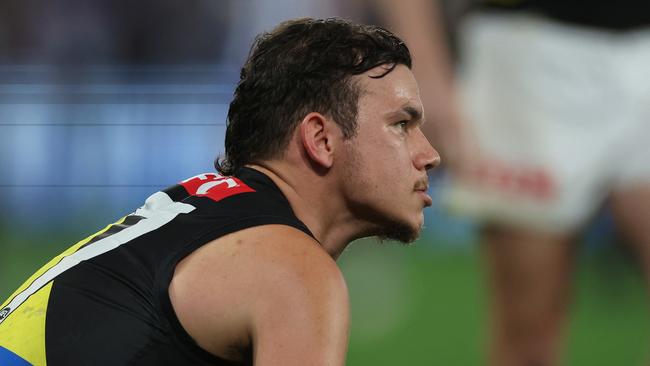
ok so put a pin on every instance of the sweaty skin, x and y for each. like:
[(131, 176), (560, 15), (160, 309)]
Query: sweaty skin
[(275, 293)]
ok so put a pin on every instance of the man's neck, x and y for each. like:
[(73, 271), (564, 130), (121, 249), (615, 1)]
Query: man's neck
[(316, 203)]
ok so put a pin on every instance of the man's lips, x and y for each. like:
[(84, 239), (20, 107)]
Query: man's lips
[(428, 201), (421, 187)]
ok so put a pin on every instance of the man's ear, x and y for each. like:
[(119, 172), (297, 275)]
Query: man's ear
[(317, 135)]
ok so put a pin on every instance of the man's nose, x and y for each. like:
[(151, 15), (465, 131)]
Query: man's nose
[(427, 156)]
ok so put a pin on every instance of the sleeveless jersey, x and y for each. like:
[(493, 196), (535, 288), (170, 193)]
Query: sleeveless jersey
[(105, 300), (606, 14)]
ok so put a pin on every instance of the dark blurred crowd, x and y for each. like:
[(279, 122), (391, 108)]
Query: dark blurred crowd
[(112, 31)]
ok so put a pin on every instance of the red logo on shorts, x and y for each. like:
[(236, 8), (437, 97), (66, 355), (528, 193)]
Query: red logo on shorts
[(533, 182), (215, 186)]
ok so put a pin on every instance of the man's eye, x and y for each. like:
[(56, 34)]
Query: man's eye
[(403, 124)]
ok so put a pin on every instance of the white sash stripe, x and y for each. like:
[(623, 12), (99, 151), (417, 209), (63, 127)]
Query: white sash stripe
[(158, 210)]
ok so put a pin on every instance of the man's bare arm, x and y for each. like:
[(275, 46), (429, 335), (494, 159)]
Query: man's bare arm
[(271, 289)]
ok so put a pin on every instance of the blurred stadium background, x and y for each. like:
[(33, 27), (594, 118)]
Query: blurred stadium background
[(103, 102)]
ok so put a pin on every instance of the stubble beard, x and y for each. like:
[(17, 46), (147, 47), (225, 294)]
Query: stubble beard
[(405, 234), (384, 226)]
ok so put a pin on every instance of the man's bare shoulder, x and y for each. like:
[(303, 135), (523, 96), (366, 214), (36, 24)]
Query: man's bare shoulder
[(240, 288)]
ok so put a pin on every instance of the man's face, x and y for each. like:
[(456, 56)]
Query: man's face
[(386, 162)]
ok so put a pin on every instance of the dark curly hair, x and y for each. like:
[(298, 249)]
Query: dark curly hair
[(302, 66)]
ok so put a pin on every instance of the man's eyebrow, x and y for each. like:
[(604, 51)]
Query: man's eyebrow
[(415, 113)]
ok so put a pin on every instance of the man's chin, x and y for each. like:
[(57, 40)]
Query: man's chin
[(402, 228), (403, 232)]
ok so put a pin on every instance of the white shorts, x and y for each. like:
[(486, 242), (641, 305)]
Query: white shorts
[(561, 115)]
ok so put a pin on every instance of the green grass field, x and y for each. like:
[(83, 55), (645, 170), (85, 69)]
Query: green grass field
[(426, 304), (439, 317)]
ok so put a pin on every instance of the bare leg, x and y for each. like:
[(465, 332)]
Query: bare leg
[(529, 277), (631, 209)]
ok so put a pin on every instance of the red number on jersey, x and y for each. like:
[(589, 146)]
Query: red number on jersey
[(215, 186)]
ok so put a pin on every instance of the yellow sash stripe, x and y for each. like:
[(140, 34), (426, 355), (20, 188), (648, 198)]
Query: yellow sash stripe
[(23, 332), (56, 260)]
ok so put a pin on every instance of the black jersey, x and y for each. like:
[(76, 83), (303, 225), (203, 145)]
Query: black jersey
[(606, 14), (105, 300)]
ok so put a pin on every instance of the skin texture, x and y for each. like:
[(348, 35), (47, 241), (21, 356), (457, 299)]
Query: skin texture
[(269, 289), (529, 272), (631, 209), (386, 191), (419, 23), (273, 292), (529, 276)]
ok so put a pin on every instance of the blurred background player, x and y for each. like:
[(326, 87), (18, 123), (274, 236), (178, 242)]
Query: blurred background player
[(557, 102), (96, 136)]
